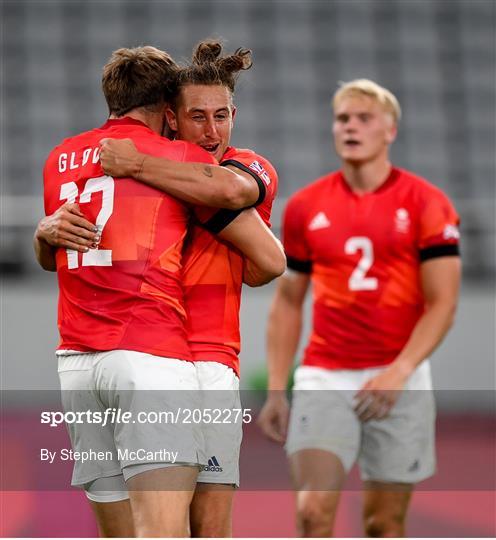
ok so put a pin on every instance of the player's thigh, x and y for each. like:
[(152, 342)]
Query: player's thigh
[(401, 447), (222, 426), (114, 519), (314, 469), (211, 510), (160, 499), (80, 396), (322, 422)]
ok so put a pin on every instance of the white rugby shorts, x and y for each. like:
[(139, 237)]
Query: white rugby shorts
[(399, 448), (150, 388), (223, 434)]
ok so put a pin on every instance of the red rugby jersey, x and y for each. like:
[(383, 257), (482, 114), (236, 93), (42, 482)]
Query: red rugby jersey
[(213, 272), (126, 294), (364, 254)]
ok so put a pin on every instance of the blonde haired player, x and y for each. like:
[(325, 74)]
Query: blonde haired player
[(380, 246)]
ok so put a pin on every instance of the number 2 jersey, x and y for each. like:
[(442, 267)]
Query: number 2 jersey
[(127, 294), (364, 254), (213, 271)]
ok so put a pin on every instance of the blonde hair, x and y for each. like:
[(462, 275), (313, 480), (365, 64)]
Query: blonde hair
[(366, 87)]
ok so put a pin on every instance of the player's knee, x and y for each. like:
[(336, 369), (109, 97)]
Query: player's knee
[(160, 520), (316, 511), (384, 526), (150, 528), (211, 528)]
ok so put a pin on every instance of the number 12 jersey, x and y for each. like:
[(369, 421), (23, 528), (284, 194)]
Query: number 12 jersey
[(127, 294)]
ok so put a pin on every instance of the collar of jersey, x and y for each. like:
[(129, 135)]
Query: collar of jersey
[(229, 150), (390, 180), (124, 121)]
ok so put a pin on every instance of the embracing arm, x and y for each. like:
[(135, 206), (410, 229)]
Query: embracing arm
[(45, 254), (264, 255), (65, 228), (197, 183)]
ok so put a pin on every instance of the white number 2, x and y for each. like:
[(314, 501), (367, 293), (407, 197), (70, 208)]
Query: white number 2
[(69, 193), (358, 281)]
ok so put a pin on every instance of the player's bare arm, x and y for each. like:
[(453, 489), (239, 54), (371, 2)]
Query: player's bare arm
[(283, 336), (440, 278), (197, 183), (66, 228), (264, 254)]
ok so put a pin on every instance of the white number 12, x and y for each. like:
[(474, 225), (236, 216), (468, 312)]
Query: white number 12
[(358, 281), (69, 193)]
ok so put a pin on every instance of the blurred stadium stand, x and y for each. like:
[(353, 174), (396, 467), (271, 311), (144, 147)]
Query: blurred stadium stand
[(437, 56)]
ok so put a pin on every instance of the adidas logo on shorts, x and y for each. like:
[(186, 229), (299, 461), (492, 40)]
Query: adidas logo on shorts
[(213, 465), (414, 466)]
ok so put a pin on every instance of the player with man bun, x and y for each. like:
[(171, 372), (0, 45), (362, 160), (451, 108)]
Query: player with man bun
[(202, 111)]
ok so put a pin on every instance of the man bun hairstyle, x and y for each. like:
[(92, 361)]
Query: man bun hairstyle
[(209, 67), (206, 51), (138, 77)]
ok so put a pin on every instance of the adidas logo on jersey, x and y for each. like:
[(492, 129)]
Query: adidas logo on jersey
[(320, 221), (213, 465)]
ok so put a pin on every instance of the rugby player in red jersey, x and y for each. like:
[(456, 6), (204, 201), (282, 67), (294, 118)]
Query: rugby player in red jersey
[(203, 112), (121, 309), (380, 247)]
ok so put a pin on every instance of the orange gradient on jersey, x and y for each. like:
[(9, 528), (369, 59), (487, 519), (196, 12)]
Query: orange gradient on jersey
[(127, 293), (213, 278), (365, 252)]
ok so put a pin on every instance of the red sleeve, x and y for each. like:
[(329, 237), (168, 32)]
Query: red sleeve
[(264, 174), (46, 200), (268, 175), (438, 228), (51, 189), (293, 236)]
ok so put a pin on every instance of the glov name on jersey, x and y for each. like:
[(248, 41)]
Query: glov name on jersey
[(142, 455), (76, 159)]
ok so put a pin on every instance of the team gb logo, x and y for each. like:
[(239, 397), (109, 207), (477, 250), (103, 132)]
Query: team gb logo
[(402, 220)]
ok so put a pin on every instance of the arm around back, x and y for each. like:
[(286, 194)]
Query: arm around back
[(194, 181), (264, 255), (65, 228)]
